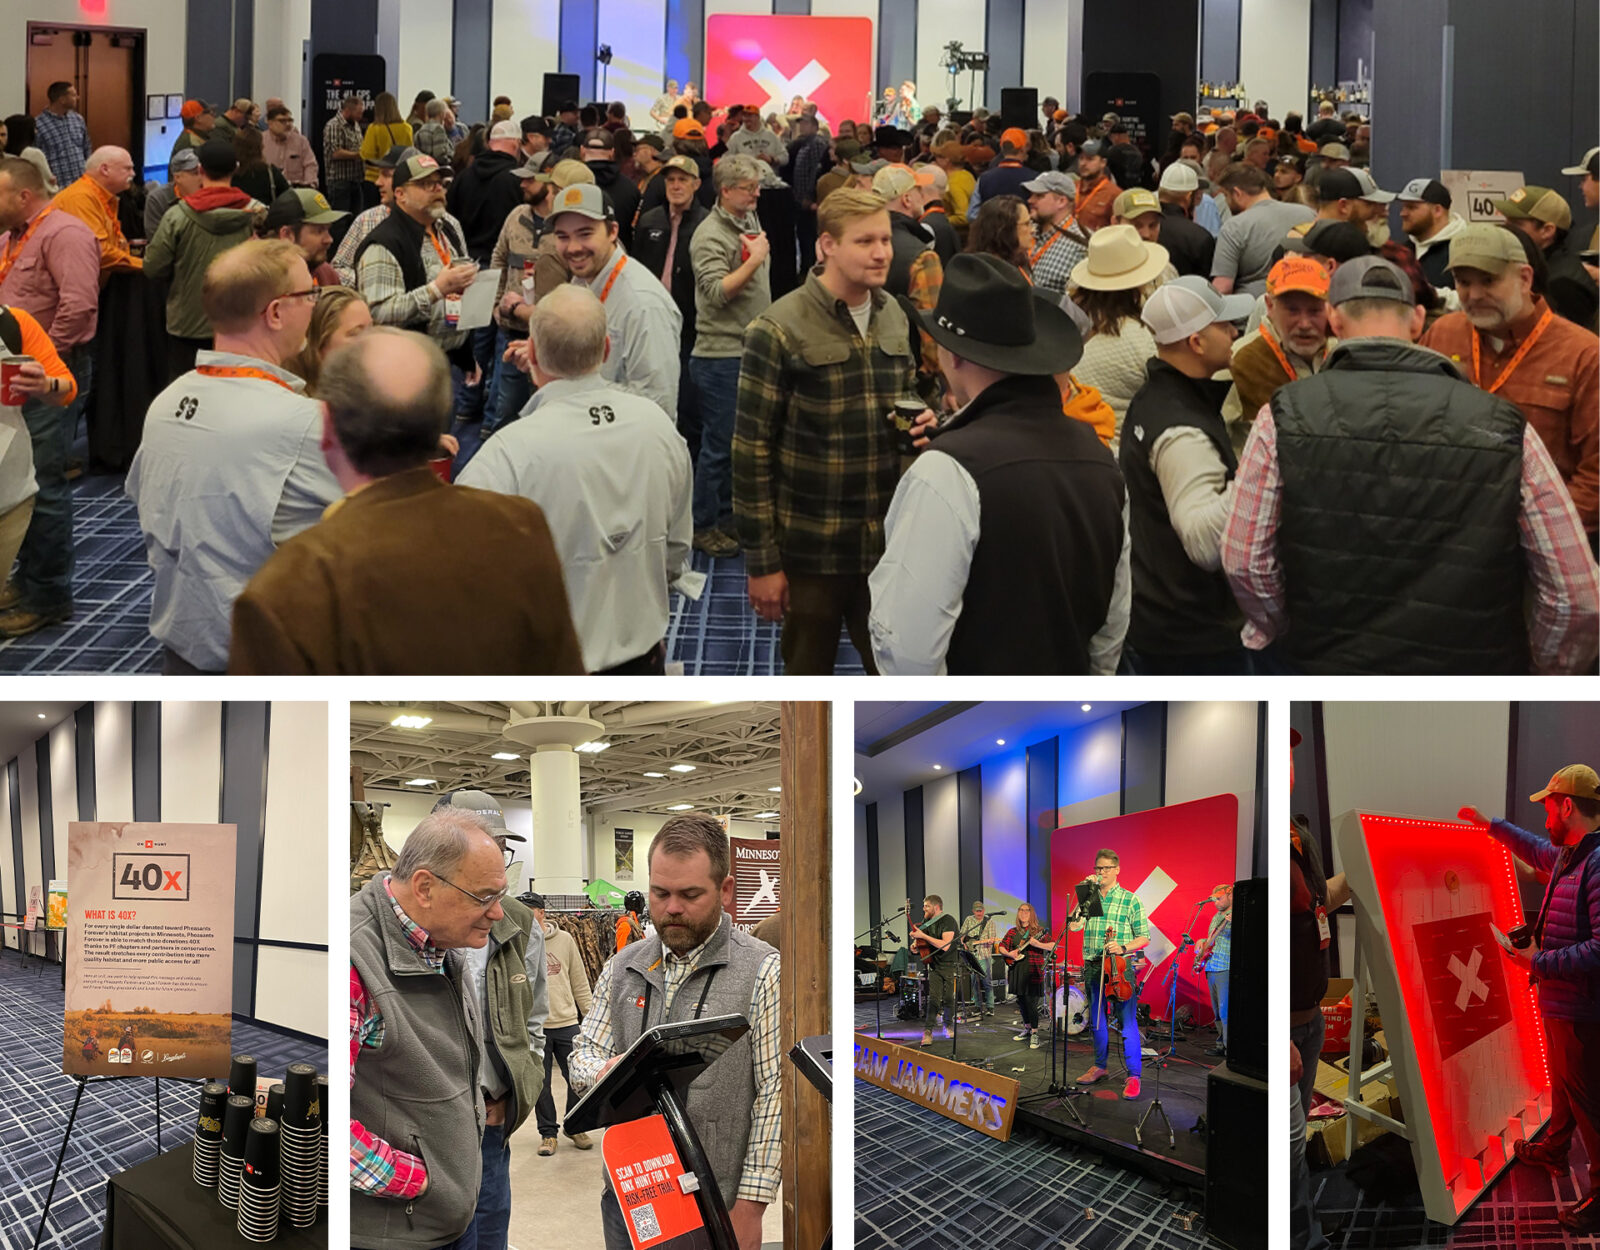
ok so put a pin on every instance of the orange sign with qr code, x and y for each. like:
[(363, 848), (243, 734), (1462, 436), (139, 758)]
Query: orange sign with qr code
[(644, 1171)]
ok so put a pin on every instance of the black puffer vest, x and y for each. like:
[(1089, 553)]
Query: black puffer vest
[(1398, 536)]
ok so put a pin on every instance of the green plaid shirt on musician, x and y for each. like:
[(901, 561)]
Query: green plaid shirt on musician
[(1123, 913)]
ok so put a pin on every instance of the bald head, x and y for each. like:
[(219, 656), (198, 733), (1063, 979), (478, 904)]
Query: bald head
[(568, 332), (388, 398), (111, 168)]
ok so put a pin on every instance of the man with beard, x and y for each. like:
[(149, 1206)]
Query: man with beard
[(599, 152), (1292, 342), (1351, 195), (412, 269), (698, 964), (1097, 191), (642, 323), (1563, 962), (1546, 218), (663, 240), (1508, 341), (344, 259), (1058, 244), (303, 217), (1426, 218)]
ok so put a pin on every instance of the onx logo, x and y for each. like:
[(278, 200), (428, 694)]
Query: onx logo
[(150, 878)]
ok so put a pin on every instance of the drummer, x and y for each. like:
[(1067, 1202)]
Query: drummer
[(977, 939)]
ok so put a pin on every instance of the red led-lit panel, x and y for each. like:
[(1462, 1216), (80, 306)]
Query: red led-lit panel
[(1461, 1018), (766, 61), (1171, 858)]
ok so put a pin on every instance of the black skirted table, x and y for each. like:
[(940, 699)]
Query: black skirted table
[(157, 1206), (130, 368)]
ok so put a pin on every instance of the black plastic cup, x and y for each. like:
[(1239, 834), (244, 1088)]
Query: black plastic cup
[(319, 1108), (299, 1092), (236, 1123), (242, 1076), (213, 1100), (261, 1154), (275, 1102), (228, 1182), (322, 1154)]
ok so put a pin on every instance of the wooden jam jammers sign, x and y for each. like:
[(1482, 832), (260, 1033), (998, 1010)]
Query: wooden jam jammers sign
[(974, 1097)]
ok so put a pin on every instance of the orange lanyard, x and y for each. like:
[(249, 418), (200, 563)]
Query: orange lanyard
[(444, 252), (1041, 249), (18, 242), (241, 371), (1279, 353), (606, 289), (1527, 345)]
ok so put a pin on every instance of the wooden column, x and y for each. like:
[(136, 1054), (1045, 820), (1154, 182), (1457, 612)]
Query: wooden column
[(806, 877)]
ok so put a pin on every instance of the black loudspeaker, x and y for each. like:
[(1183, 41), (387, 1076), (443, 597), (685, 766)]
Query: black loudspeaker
[(1019, 106), (1247, 980), (1236, 1158), (558, 89)]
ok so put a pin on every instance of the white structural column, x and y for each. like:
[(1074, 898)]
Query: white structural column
[(637, 33), (556, 847), (523, 49), (938, 23), (1044, 47), (1275, 53)]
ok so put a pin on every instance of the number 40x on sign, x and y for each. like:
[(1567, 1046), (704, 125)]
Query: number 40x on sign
[(150, 876)]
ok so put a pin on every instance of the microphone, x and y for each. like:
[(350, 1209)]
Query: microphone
[(1205, 900), (889, 937), (997, 913)]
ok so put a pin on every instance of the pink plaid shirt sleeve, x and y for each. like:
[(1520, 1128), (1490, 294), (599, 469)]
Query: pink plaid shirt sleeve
[(1565, 627), (1250, 539)]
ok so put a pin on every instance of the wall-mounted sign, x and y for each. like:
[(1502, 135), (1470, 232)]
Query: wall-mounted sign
[(1474, 191), (975, 1097), (755, 879)]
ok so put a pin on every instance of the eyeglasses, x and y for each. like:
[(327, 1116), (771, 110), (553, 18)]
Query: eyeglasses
[(484, 902), (310, 294)]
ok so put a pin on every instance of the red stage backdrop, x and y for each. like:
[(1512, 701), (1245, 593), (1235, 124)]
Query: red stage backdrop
[(768, 61), (1171, 858)]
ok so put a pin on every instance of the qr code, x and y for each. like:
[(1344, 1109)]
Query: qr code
[(645, 1225)]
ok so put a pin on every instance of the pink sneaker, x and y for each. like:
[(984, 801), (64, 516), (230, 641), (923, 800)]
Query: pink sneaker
[(1130, 1091)]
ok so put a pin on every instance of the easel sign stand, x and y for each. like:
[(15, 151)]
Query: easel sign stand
[(1466, 1046), (652, 1079)]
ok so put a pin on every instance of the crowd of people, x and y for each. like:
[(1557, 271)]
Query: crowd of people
[(986, 398)]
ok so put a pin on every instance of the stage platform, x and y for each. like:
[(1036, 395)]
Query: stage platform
[(1110, 1122)]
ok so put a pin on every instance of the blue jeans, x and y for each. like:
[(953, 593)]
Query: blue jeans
[(1128, 1011), (1308, 1040), (511, 390), (470, 400), (1305, 1230), (491, 1222), (1219, 1001), (44, 563), (717, 381)]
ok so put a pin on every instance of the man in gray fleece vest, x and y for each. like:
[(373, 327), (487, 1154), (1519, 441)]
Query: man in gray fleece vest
[(697, 965), (417, 1109)]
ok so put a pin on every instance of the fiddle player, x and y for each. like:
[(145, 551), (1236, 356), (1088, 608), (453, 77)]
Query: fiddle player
[(1026, 946), (938, 932), (978, 938), (1123, 915)]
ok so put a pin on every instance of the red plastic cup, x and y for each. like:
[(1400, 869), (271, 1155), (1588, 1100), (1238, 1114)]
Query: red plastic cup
[(10, 371), (744, 246)]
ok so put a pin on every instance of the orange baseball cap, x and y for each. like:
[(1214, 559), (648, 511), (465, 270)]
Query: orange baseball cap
[(1298, 273), (688, 128), (1015, 139)]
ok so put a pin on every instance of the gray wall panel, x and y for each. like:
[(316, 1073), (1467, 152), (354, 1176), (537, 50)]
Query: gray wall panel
[(1219, 41), (1004, 45), (244, 803), (147, 761), (897, 40), (1144, 750), (469, 59), (84, 723)]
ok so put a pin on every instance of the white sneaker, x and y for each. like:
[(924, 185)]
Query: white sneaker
[(1022, 1036), (1035, 1043)]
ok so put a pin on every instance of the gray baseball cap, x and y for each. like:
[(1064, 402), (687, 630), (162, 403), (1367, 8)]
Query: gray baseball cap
[(1188, 305), (1369, 188), (1053, 182), (186, 161), (486, 806), (1370, 277)]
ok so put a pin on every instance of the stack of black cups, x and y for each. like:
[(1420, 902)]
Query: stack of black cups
[(208, 1134), (259, 1186), (274, 1109), (301, 1145), (237, 1116), (242, 1076), (322, 1153)]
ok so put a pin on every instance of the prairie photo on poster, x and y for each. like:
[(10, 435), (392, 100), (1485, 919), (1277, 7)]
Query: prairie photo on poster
[(149, 976)]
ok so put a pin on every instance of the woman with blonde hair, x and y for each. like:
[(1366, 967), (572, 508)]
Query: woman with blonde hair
[(340, 316), (1026, 946), (388, 129)]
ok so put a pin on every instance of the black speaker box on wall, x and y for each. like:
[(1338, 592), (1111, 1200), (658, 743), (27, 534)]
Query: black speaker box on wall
[(1236, 1158), (1247, 980), (1019, 106), (558, 89)]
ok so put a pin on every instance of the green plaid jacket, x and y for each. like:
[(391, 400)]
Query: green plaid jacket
[(1123, 912), (815, 461)]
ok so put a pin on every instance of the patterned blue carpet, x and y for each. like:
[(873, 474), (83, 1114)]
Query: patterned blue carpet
[(116, 1119), (716, 636)]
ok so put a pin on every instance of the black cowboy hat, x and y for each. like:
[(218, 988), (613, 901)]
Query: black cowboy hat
[(988, 313)]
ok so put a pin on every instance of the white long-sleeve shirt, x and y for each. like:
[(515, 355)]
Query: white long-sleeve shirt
[(612, 474), (645, 329), (918, 586)]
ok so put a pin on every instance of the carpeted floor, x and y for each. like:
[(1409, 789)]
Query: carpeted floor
[(115, 1128), (716, 636)]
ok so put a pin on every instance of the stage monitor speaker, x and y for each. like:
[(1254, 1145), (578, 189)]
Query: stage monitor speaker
[(1236, 1158), (1019, 106), (558, 89), (1247, 980)]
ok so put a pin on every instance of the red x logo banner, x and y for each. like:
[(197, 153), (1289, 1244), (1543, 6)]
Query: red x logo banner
[(1465, 979), (766, 61)]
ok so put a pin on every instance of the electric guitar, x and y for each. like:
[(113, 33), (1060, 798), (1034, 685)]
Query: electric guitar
[(1022, 951)]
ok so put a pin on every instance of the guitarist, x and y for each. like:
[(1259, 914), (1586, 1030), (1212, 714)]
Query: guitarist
[(978, 937), (1026, 946), (1123, 915), (1212, 956), (935, 944)]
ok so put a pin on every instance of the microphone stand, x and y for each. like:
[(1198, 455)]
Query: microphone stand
[(877, 989)]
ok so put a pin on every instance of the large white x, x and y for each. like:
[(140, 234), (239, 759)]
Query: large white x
[(1472, 986), (768, 891), (781, 90), (1151, 894)]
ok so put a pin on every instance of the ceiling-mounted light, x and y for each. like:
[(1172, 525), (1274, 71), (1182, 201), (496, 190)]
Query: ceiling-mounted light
[(999, 742), (409, 720), (591, 748), (681, 807), (774, 789), (938, 768), (42, 716), (683, 768), (655, 774), (505, 755), (766, 815), (420, 781), (1086, 707), (858, 785)]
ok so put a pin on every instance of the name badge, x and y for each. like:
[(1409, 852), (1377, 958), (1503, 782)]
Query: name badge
[(1322, 925)]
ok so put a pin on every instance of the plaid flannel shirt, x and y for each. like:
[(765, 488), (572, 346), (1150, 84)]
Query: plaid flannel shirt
[(808, 156), (1037, 959), (815, 461), (376, 1167), (763, 1154), (383, 285), (64, 141), (1058, 250), (1562, 573), (1123, 913), (337, 134), (1221, 935)]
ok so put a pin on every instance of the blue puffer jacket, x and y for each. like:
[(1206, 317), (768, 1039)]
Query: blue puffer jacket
[(1568, 969)]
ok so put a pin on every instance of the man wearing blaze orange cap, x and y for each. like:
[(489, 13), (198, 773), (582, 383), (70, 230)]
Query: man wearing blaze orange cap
[(1006, 176)]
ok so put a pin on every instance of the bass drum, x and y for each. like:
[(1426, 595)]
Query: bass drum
[(1072, 1009)]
